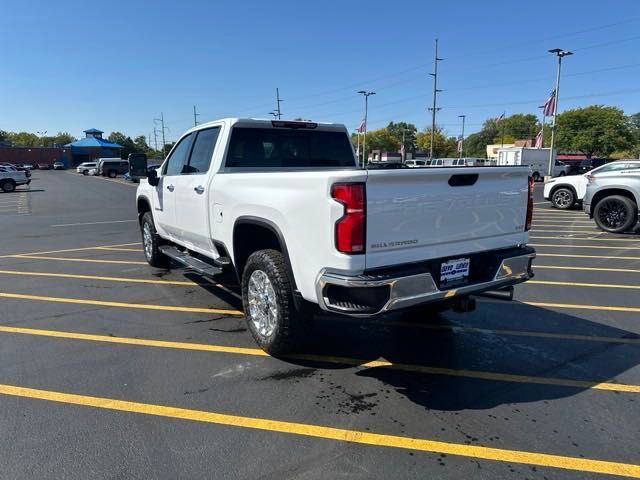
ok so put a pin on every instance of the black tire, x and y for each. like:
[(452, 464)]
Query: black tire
[(536, 176), (8, 186), (563, 198), (85, 172), (151, 243), (562, 174), (288, 322), (112, 174), (615, 214)]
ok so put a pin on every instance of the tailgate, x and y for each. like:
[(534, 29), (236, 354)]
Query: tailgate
[(422, 214)]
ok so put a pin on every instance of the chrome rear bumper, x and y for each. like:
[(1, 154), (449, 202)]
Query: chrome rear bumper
[(398, 292)]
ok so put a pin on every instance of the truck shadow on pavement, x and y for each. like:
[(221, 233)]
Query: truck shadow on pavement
[(436, 343)]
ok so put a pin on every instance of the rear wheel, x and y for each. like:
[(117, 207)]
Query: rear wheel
[(536, 177), (85, 172), (563, 198), (112, 174), (151, 243), (8, 186), (615, 214), (267, 296)]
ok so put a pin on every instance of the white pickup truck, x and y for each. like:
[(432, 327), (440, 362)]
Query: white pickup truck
[(284, 205)]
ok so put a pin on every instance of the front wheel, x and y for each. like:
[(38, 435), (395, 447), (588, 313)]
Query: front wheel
[(112, 174), (151, 243), (563, 198), (536, 177), (8, 186), (85, 172), (267, 297), (615, 214)]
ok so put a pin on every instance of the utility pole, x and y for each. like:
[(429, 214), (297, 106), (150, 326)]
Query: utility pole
[(461, 136), (278, 101), (195, 117), (403, 147), (155, 137), (560, 54), (161, 120), (366, 117), (434, 108)]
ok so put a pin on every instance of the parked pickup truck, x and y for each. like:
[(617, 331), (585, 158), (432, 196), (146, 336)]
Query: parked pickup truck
[(284, 206), (10, 178)]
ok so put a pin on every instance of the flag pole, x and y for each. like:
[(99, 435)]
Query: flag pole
[(502, 137)]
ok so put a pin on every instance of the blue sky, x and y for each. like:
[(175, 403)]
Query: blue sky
[(116, 65)]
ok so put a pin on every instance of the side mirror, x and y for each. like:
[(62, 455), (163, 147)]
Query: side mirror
[(137, 165), (152, 177)]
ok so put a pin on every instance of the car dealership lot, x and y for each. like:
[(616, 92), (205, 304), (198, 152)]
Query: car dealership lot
[(113, 368)]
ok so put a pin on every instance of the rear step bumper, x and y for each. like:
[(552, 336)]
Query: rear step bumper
[(368, 295)]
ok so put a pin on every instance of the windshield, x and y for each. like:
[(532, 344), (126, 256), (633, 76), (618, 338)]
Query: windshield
[(290, 148)]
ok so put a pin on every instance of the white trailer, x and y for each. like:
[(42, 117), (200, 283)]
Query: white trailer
[(536, 158)]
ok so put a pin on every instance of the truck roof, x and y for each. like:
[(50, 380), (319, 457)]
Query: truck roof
[(271, 123)]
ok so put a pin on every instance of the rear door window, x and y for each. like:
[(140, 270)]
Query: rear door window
[(290, 148)]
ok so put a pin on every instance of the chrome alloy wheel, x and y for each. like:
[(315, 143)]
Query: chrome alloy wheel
[(563, 199), (147, 239), (263, 305)]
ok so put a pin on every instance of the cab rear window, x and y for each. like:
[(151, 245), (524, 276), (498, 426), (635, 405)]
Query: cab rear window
[(274, 148)]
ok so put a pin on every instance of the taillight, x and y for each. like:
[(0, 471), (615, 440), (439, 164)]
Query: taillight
[(350, 228), (532, 185)]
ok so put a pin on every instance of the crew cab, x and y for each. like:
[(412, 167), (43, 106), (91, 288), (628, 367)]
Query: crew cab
[(284, 206), (10, 178)]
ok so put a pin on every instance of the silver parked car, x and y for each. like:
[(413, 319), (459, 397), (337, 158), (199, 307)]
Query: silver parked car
[(612, 200)]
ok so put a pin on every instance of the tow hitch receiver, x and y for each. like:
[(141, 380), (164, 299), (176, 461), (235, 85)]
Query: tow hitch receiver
[(464, 304)]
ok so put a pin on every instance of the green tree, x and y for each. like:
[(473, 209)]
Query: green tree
[(634, 125), (380, 139), (596, 130), (62, 138), (4, 136), (442, 146), (125, 141), (518, 126), (410, 131), (23, 139)]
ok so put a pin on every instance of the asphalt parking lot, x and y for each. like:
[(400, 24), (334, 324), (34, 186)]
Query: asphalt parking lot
[(113, 369)]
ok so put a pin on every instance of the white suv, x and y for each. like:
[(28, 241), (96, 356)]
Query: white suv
[(564, 192), (84, 168)]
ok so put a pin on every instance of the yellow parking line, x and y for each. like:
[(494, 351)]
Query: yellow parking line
[(567, 255), (117, 279), (606, 308), (96, 277), (597, 269), (144, 306), (620, 247), (580, 284), (74, 249), (331, 433), (355, 362), (115, 249), (599, 239), (87, 260)]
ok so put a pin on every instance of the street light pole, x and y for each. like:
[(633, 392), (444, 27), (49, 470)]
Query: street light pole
[(366, 117), (278, 101), (462, 136), (560, 54)]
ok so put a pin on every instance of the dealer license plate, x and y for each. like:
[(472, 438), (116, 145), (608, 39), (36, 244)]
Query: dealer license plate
[(457, 269)]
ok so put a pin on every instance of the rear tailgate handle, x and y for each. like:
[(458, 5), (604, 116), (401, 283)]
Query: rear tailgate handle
[(463, 179)]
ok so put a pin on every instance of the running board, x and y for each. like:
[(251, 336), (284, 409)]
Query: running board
[(188, 261)]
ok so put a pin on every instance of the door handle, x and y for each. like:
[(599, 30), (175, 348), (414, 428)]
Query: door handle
[(199, 189), (170, 188)]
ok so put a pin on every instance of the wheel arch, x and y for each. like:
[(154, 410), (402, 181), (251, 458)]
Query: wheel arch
[(568, 187), (144, 206), (251, 234), (608, 192)]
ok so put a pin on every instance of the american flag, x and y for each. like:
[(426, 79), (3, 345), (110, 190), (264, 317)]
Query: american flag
[(361, 127), (549, 108), (538, 143)]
